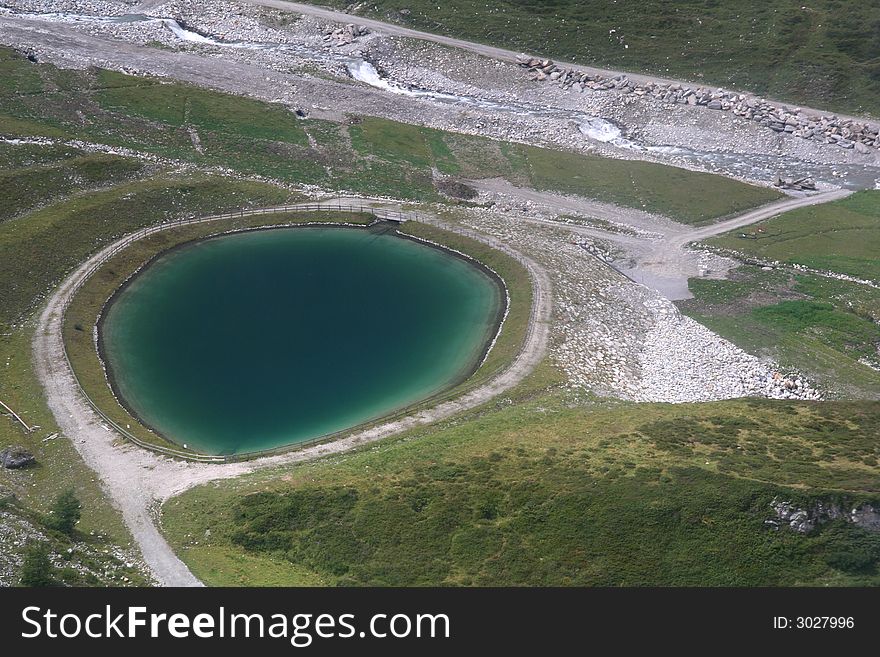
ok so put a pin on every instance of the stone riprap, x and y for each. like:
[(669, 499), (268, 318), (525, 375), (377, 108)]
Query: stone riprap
[(845, 133)]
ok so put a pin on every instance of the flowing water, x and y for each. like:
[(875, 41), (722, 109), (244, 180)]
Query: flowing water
[(256, 340), (756, 167)]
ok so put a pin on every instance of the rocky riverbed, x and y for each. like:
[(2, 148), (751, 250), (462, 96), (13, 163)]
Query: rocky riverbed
[(843, 132), (462, 91)]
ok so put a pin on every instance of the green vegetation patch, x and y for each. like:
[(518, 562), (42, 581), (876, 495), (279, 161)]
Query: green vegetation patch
[(27, 188), (179, 105), (826, 328), (543, 492), (686, 196), (842, 236)]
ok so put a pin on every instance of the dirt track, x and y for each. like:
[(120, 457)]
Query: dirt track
[(137, 481), (656, 255)]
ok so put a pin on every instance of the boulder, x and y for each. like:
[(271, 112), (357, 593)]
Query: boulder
[(13, 458), (867, 517), (714, 104)]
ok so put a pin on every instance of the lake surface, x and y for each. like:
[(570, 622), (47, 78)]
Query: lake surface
[(268, 338)]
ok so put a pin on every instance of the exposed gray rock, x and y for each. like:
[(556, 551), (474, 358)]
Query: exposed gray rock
[(866, 516), (16, 457), (806, 520)]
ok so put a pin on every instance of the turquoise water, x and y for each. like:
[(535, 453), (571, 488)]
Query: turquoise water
[(268, 338)]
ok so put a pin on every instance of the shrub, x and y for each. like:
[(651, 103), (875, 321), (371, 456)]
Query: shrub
[(66, 513), (37, 570)]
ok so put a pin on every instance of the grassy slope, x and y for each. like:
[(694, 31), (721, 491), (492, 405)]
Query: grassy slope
[(687, 196), (842, 236), (820, 326), (542, 493), (373, 156), (825, 54), (24, 189)]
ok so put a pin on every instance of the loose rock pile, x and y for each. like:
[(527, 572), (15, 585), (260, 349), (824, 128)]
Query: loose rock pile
[(345, 35), (623, 340), (801, 184), (845, 133), (684, 361)]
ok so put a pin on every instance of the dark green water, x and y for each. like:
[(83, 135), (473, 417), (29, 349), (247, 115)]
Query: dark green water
[(268, 338)]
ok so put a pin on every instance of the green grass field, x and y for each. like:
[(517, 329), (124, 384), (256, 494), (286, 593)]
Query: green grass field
[(825, 53), (819, 326), (842, 236), (686, 196), (823, 327), (545, 492)]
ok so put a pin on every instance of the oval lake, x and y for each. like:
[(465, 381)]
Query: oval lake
[(262, 339)]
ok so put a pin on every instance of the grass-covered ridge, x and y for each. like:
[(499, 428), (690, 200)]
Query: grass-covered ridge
[(825, 53), (544, 493)]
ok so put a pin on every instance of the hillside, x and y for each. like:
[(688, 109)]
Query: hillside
[(548, 491), (825, 53)]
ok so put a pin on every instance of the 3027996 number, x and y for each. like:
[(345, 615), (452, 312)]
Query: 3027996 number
[(822, 622)]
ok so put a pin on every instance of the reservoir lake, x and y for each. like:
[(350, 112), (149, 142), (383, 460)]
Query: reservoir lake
[(257, 340)]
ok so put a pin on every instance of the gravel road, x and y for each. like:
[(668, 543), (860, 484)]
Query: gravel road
[(655, 253)]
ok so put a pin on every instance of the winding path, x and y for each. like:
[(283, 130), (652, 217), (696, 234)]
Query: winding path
[(138, 481)]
